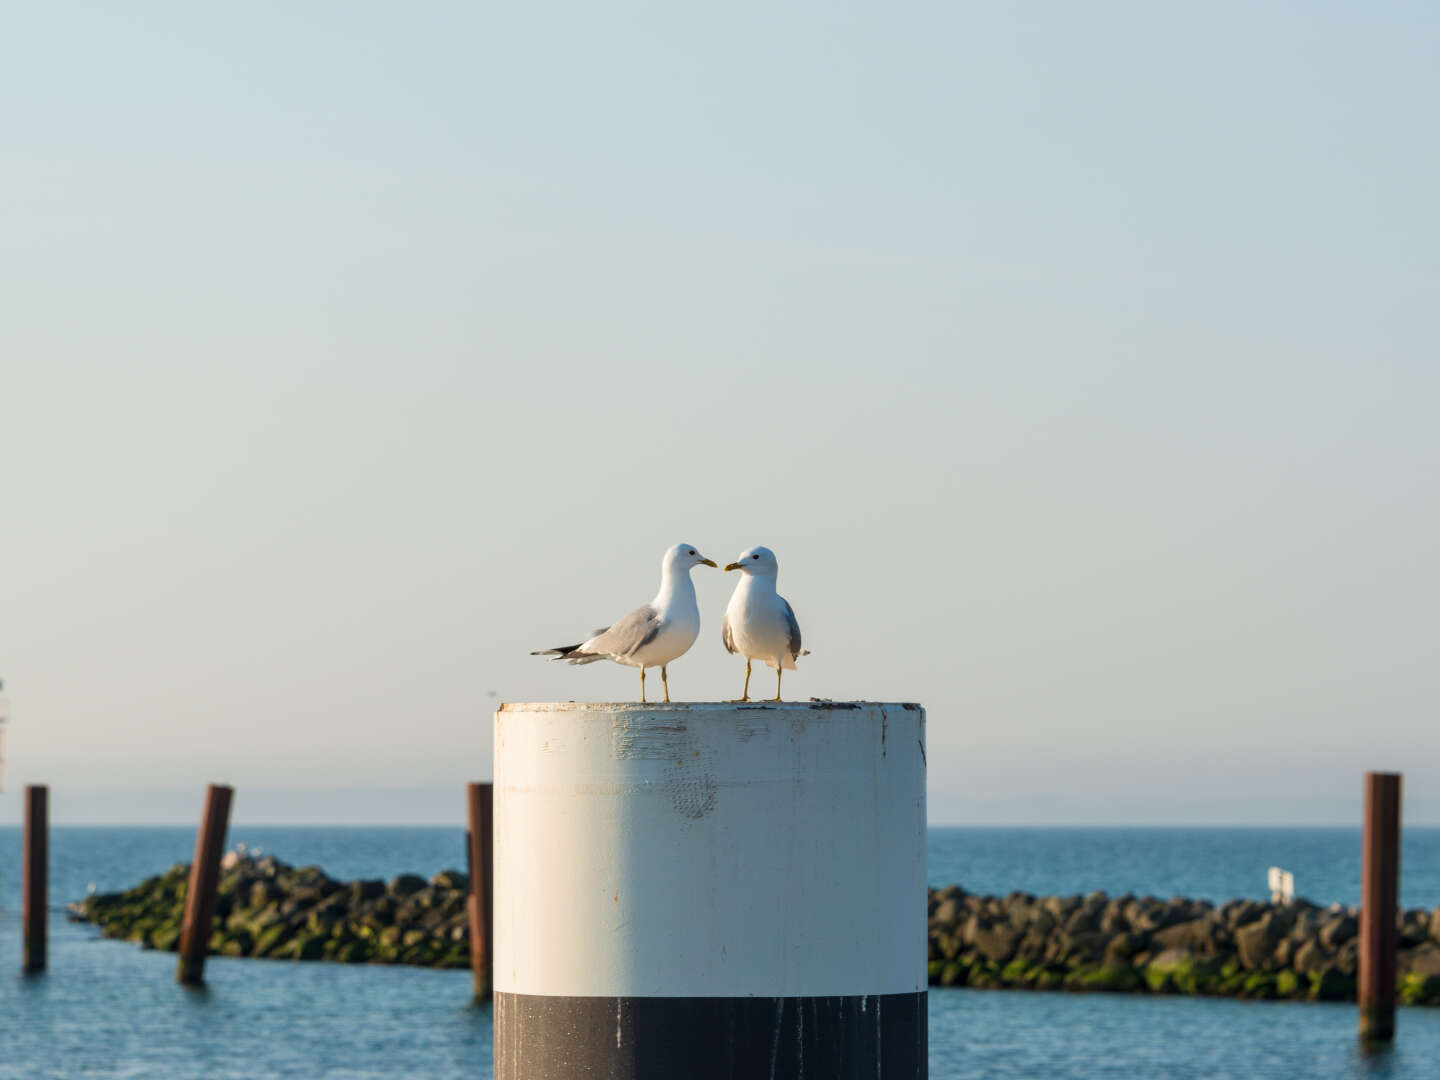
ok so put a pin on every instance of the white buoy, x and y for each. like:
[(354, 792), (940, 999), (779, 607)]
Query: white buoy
[(710, 890)]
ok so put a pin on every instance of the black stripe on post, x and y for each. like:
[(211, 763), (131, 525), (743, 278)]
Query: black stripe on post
[(665, 1038)]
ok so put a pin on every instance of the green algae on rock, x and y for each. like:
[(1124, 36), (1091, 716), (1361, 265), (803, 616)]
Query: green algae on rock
[(267, 908), (1128, 944)]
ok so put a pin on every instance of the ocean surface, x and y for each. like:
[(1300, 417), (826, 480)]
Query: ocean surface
[(110, 1009)]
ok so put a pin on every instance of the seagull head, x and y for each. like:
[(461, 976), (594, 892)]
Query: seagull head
[(756, 560), (683, 557)]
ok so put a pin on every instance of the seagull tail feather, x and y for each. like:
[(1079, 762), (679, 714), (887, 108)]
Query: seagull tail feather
[(559, 650), (571, 654)]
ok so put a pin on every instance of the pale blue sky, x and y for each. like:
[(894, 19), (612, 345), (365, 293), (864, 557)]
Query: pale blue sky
[(1078, 362)]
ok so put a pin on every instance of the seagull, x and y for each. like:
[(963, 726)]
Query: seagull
[(759, 622), (650, 636)]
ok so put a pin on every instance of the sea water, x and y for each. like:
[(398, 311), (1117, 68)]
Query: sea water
[(111, 1009)]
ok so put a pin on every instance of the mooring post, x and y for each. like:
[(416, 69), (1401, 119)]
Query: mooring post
[(1379, 899), (35, 874), (480, 902), (710, 891), (204, 879)]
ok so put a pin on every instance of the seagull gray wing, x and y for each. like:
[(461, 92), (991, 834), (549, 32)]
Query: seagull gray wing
[(725, 634), (794, 629), (634, 630)]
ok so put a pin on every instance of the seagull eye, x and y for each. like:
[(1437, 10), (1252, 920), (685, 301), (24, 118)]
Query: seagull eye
[(692, 552), (754, 556)]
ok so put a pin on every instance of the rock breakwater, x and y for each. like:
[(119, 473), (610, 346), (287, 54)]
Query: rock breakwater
[(267, 908), (1242, 948)]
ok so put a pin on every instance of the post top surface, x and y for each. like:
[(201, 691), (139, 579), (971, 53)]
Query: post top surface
[(701, 706)]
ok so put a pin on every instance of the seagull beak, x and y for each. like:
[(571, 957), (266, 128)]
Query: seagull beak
[(706, 562), (733, 566)]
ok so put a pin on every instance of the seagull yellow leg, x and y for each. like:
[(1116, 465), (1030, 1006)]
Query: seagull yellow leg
[(745, 694), (665, 681), (777, 683), (642, 686)]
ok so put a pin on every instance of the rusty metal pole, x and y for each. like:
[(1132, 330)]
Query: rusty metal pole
[(1379, 898), (35, 873), (204, 879), (480, 798)]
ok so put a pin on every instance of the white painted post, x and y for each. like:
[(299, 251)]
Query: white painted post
[(1282, 885), (710, 890)]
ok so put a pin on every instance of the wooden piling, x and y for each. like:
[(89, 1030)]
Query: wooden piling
[(480, 798), (1379, 899), (204, 879), (35, 873)]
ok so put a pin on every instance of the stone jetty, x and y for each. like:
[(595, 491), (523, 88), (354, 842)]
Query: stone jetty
[(1242, 948), (1127, 944), (267, 908)]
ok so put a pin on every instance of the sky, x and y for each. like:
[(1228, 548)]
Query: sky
[(1078, 363)]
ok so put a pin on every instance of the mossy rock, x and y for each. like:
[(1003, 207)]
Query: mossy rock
[(269, 940), (232, 948), (165, 937), (413, 937), (1160, 979), (1015, 973), (1330, 985), (424, 952), (140, 929), (352, 952), (1287, 984), (1260, 984), (1196, 976), (306, 947), (1107, 979), (1045, 978), (953, 973), (265, 917), (1231, 985), (454, 957), (985, 975), (1418, 989)]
